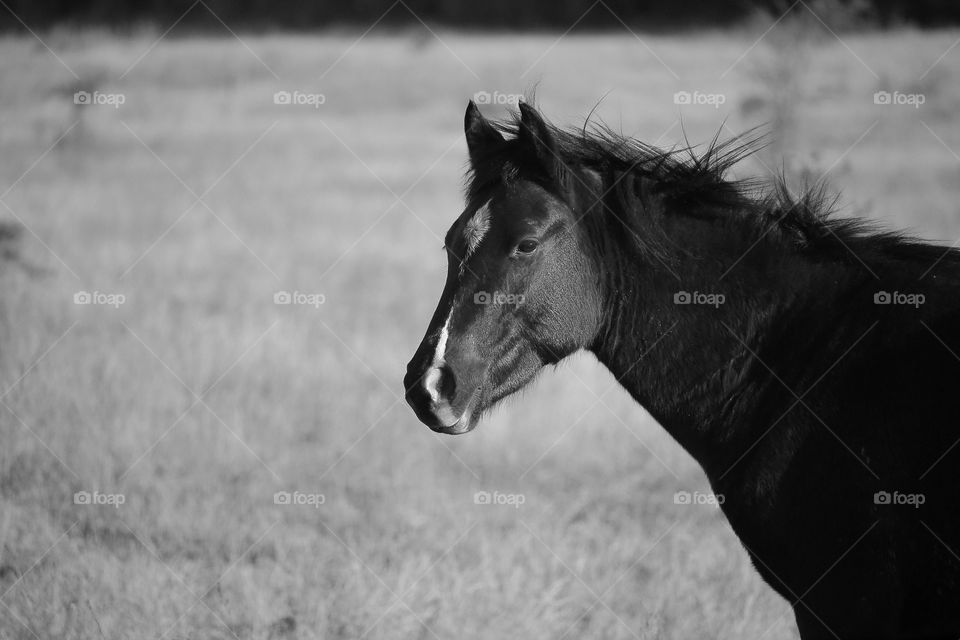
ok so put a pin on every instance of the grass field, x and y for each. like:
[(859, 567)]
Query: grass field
[(198, 398)]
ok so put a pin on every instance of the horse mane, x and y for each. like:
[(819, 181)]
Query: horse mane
[(695, 182)]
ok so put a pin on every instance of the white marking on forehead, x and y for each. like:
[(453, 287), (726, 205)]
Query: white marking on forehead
[(476, 228)]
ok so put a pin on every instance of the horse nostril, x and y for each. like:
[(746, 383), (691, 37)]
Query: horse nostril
[(431, 382), (439, 383)]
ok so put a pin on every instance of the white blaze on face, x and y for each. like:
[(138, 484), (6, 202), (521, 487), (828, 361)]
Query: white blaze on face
[(432, 379), (473, 232)]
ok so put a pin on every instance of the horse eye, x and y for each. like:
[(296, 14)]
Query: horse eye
[(527, 246)]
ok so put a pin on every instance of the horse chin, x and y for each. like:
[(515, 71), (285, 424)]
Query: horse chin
[(466, 422), (457, 429)]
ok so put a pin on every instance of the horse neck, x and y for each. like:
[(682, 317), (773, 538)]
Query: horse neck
[(684, 362)]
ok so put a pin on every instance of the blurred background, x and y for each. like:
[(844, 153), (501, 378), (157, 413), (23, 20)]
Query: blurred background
[(220, 242)]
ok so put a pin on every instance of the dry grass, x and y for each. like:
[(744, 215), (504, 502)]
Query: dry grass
[(199, 398)]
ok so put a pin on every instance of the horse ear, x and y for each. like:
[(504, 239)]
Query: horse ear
[(480, 134), (536, 136)]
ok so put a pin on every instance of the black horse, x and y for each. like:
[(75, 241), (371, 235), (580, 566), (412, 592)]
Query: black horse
[(806, 361)]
